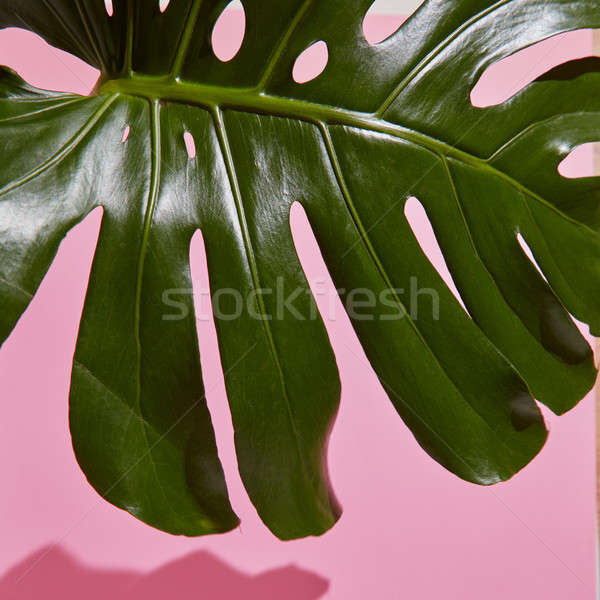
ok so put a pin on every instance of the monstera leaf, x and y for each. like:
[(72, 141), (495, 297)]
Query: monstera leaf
[(381, 124)]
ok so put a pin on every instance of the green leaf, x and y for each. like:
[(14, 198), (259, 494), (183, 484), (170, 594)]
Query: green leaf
[(379, 125)]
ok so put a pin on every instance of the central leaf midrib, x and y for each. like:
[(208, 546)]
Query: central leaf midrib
[(247, 99)]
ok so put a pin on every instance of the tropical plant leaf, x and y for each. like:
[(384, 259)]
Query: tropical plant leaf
[(381, 124)]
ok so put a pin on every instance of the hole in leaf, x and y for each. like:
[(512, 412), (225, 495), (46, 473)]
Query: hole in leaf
[(384, 18), (363, 425), (311, 63), (126, 133), (29, 55), (506, 77), (108, 4), (190, 144), (527, 250), (423, 231), (228, 32), (329, 304), (60, 297), (163, 5), (582, 161), (216, 398)]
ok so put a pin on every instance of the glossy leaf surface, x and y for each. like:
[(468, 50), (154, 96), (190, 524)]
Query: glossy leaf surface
[(381, 124)]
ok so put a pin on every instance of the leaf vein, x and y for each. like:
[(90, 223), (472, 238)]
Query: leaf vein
[(40, 111), (385, 277), (186, 39), (249, 101), (531, 127), (60, 19), (16, 287), (237, 196), (434, 53), (283, 44), (65, 151), (88, 29), (467, 227), (155, 175)]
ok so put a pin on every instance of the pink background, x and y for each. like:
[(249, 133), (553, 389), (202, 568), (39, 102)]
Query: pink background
[(409, 528)]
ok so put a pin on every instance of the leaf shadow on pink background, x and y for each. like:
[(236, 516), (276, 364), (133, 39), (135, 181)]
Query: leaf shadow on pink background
[(53, 573)]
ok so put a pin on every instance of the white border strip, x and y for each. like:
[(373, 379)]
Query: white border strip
[(596, 50), (400, 7)]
